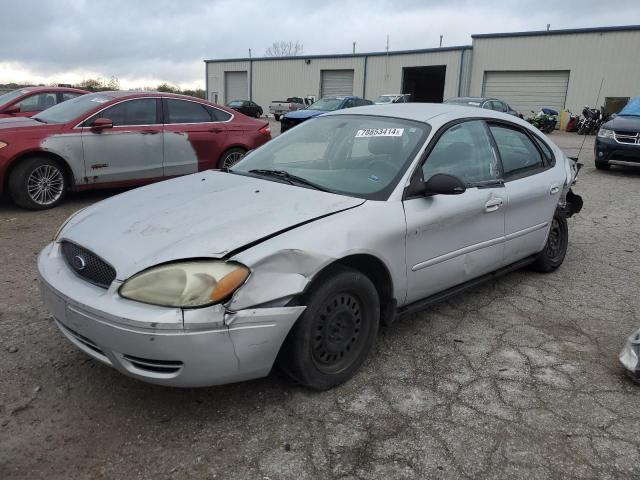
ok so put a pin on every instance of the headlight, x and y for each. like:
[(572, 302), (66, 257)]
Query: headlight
[(186, 284), (605, 133), (64, 224), (3, 144)]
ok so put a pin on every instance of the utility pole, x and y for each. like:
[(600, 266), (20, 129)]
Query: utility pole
[(249, 53), (354, 48), (441, 41)]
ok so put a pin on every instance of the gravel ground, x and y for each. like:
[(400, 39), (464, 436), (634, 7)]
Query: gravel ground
[(514, 379)]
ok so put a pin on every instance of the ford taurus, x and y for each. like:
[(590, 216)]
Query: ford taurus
[(300, 251)]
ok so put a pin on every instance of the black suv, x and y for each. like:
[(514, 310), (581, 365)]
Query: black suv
[(618, 140)]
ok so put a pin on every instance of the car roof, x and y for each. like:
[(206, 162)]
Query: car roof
[(435, 114), (471, 99), (52, 89)]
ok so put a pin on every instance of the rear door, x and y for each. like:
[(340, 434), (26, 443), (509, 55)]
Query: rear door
[(455, 238), (194, 136), (533, 188), (131, 150)]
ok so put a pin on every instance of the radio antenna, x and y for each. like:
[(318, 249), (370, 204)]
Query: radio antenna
[(585, 137)]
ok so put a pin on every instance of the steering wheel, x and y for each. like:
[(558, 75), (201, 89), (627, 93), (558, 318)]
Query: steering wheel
[(379, 164)]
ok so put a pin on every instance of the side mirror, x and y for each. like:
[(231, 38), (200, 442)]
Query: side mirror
[(102, 123), (444, 184), (12, 110)]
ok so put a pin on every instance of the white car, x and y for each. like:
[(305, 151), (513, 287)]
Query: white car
[(299, 252)]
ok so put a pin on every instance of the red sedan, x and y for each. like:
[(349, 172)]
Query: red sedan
[(26, 102), (117, 139)]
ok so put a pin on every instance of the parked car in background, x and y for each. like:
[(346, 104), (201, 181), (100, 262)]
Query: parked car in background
[(618, 140), (246, 107), (323, 105), (482, 102), (300, 251), (117, 139), (392, 98), (26, 102), (291, 104)]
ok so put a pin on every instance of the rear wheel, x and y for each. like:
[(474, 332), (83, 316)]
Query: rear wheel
[(334, 335), (555, 249), (231, 157), (37, 183)]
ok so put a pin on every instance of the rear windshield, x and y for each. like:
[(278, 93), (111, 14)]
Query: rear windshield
[(74, 108)]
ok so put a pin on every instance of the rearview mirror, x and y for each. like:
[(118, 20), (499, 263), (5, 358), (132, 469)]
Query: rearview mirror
[(444, 184), (12, 110), (102, 123)]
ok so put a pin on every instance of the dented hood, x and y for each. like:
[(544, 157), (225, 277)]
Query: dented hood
[(208, 214)]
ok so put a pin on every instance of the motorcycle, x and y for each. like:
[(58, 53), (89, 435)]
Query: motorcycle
[(590, 121), (545, 120)]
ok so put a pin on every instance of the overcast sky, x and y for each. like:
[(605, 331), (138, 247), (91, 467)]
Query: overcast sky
[(145, 42)]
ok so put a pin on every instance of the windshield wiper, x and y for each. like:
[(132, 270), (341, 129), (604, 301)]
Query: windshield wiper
[(288, 177)]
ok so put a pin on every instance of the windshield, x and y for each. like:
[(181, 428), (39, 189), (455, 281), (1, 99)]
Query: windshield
[(632, 108), (326, 104), (235, 103), (358, 155), (384, 99), (71, 109), (10, 96)]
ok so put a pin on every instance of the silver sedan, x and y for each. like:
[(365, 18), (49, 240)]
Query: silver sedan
[(298, 253)]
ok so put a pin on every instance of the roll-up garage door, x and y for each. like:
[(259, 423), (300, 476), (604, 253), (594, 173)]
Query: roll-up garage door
[(526, 91), (336, 83), (236, 86)]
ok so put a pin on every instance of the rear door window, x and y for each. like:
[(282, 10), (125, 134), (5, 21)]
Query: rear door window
[(183, 111), (519, 155), (217, 115)]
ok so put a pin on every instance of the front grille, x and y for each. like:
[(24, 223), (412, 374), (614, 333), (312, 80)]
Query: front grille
[(88, 265), (630, 138)]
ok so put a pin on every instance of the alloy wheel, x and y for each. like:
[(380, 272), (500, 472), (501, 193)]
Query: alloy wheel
[(231, 159), (45, 184)]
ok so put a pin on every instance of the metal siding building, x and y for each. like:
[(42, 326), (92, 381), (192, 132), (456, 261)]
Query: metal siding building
[(557, 68), (586, 55)]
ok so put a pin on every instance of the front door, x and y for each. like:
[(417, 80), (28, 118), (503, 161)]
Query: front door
[(130, 151), (455, 238), (194, 136)]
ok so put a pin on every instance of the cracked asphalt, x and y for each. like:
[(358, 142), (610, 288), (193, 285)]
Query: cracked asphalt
[(515, 379)]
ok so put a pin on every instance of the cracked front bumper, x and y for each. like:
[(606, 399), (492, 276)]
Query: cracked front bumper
[(166, 346)]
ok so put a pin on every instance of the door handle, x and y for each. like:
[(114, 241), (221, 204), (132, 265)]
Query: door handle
[(150, 132), (554, 189), (493, 205), (215, 130)]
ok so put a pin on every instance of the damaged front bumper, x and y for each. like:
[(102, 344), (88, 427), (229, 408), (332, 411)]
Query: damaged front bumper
[(630, 355), (167, 346)]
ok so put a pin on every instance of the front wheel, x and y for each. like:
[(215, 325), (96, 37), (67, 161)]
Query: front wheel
[(602, 165), (277, 117), (334, 335), (231, 157), (37, 183), (552, 256)]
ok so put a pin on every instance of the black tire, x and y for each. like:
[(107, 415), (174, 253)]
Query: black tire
[(37, 183), (336, 332), (552, 256), (277, 117), (602, 166), (230, 157)]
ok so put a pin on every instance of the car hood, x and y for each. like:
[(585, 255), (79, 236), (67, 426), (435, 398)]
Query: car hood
[(208, 214), (20, 123), (625, 123), (304, 114)]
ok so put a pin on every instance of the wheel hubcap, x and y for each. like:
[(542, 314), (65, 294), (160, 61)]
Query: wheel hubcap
[(45, 184), (337, 332), (231, 159)]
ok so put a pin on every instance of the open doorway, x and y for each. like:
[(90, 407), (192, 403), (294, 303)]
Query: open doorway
[(425, 84)]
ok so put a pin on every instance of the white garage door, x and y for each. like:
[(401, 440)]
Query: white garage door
[(336, 83), (236, 86), (526, 91)]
